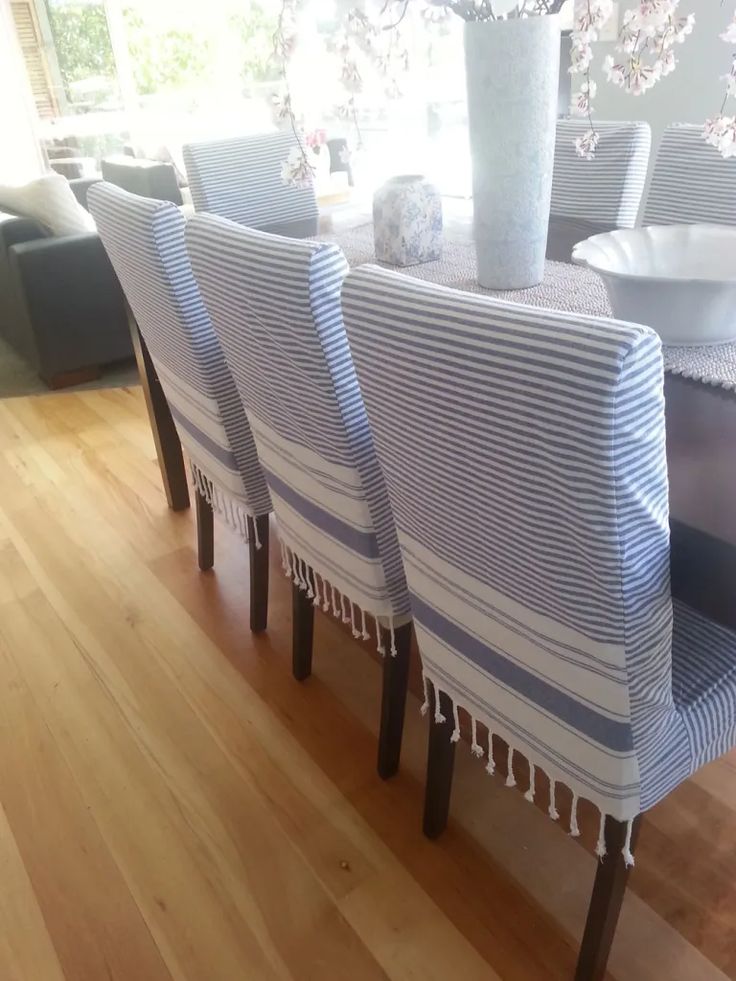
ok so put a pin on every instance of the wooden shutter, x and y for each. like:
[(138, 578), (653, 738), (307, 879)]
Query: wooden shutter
[(31, 45)]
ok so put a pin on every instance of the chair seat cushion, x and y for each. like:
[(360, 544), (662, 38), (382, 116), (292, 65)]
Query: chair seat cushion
[(704, 681)]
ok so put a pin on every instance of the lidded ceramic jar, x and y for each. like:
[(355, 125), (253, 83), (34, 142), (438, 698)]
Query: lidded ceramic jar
[(407, 221)]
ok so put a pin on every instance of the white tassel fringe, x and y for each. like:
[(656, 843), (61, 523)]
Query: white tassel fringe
[(574, 829), (628, 854), (438, 716), (455, 737), (552, 811), (231, 510), (600, 846), (491, 764), (425, 704), (477, 750), (510, 778), (343, 608)]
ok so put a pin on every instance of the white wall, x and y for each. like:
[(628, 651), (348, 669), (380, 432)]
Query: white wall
[(694, 91), (20, 155)]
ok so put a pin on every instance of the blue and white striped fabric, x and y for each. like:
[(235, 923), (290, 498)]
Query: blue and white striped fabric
[(240, 179), (599, 195), (692, 182), (275, 306), (144, 239), (524, 456), (608, 189)]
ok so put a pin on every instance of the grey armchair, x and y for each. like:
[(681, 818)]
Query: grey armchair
[(61, 306)]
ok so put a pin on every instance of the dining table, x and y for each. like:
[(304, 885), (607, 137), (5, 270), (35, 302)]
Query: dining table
[(700, 413)]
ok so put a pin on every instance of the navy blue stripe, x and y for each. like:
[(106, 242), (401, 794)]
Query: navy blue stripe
[(206, 442), (607, 732), (362, 542)]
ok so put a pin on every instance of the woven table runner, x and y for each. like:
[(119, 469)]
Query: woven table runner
[(565, 287)]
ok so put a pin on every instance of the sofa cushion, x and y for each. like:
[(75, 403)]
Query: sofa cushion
[(51, 201)]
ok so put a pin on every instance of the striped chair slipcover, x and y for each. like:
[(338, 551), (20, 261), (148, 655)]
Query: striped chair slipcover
[(240, 179), (524, 456), (144, 239), (692, 182), (275, 306), (592, 196)]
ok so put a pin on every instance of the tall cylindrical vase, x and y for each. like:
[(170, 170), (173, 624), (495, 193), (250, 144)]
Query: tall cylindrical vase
[(512, 70)]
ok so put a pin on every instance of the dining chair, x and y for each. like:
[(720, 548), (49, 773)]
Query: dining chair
[(598, 195), (240, 179), (524, 457), (691, 183), (275, 306), (144, 239)]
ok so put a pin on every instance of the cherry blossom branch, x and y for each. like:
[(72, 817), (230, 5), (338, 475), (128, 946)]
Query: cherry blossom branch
[(649, 31), (402, 15), (586, 29), (482, 10), (366, 44), (720, 131), (297, 169)]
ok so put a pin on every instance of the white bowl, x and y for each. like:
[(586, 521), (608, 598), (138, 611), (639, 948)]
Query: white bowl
[(678, 279)]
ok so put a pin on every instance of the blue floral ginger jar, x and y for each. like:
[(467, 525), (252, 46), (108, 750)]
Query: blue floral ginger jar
[(407, 221)]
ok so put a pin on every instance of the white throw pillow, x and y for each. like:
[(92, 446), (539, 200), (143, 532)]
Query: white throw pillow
[(50, 200)]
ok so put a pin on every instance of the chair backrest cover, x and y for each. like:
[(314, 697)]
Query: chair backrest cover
[(524, 456), (692, 182), (598, 195), (275, 306), (240, 179), (144, 239)]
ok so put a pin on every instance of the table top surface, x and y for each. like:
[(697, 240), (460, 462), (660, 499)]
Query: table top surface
[(566, 287)]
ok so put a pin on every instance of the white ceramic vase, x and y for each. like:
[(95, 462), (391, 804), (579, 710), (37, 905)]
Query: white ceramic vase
[(512, 72)]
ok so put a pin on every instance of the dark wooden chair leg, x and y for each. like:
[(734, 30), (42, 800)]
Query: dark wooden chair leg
[(393, 700), (205, 532), (165, 436), (605, 903), (258, 529), (440, 766), (302, 633)]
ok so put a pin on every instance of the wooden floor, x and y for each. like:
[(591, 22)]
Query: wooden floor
[(174, 805)]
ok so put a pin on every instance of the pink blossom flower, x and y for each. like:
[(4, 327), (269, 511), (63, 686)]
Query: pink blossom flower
[(644, 77), (683, 27), (668, 62), (296, 170), (720, 132), (615, 73), (730, 80), (581, 57), (583, 97), (585, 145), (729, 35)]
